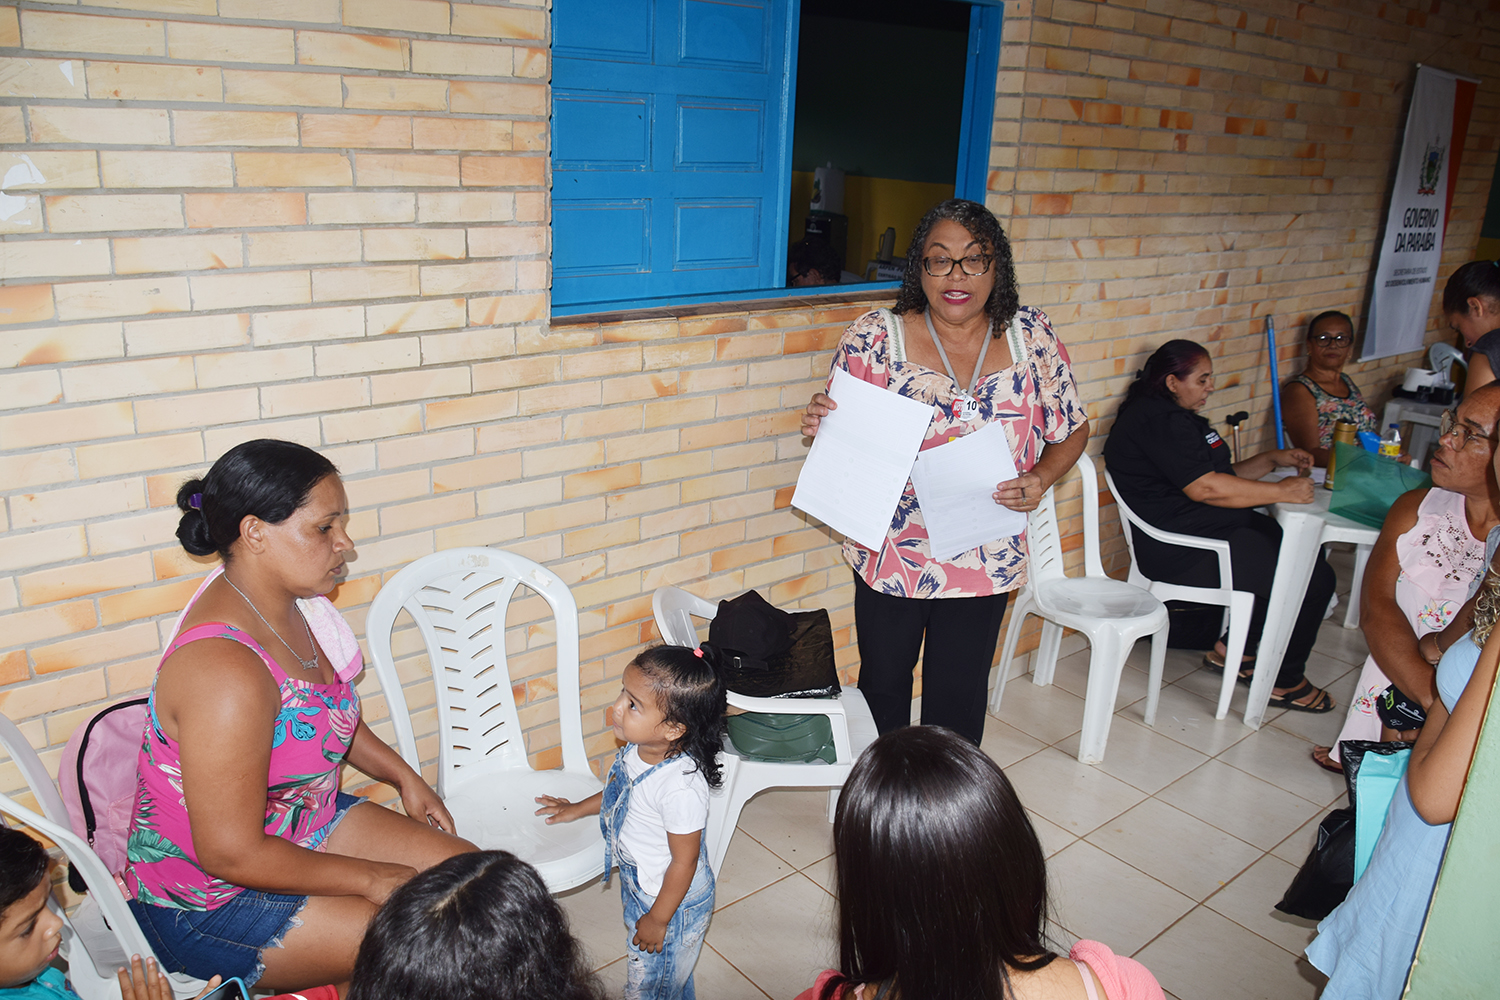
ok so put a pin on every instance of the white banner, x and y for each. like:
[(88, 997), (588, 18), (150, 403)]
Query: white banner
[(1413, 246)]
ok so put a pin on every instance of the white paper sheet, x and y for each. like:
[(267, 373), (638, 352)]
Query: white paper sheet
[(955, 485), (860, 459)]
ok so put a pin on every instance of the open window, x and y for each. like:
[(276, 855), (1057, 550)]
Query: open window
[(675, 131)]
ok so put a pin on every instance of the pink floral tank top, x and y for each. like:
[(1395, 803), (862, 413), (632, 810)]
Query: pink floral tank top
[(309, 739)]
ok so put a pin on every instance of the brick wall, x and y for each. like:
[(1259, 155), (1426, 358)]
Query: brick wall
[(326, 221)]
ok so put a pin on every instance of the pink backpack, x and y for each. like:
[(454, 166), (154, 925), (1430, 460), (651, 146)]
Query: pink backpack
[(98, 778)]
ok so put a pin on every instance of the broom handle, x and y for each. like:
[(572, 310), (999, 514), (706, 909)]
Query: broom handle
[(1275, 380)]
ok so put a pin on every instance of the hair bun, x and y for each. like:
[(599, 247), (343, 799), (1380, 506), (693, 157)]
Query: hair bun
[(710, 655), (192, 528)]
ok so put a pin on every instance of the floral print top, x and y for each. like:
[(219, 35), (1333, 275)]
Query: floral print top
[(309, 739), (1331, 409), (1036, 399)]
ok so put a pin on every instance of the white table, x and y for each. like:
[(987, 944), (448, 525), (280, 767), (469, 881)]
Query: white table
[(1304, 530), (1425, 418)]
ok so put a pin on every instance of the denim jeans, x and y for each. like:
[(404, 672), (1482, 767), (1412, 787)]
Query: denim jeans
[(668, 974)]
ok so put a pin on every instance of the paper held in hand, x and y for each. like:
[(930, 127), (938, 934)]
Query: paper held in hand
[(955, 485), (861, 458)]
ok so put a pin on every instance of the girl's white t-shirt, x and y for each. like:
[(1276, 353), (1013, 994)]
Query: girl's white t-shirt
[(673, 800)]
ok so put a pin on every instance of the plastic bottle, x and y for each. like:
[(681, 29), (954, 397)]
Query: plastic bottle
[(1390, 445)]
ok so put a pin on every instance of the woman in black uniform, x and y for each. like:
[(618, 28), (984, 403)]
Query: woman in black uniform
[(1175, 472)]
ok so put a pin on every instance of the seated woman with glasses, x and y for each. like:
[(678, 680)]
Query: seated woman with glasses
[(1323, 395), (959, 341)]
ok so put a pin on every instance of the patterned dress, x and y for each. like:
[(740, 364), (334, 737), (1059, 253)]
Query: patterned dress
[(309, 738), (1035, 399), (1332, 409)]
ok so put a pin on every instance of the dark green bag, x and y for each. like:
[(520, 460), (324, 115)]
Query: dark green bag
[(779, 738)]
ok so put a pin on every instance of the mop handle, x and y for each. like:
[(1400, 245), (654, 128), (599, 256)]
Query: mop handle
[(1275, 381)]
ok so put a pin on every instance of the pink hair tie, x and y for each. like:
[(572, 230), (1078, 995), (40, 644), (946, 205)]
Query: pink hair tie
[(698, 653)]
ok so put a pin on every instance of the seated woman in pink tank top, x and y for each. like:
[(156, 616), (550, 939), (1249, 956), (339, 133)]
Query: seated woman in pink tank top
[(244, 857), (942, 886)]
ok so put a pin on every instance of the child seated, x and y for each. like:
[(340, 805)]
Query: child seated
[(479, 926), (30, 935), (654, 810)]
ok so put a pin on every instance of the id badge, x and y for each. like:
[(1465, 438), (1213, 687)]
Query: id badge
[(965, 407)]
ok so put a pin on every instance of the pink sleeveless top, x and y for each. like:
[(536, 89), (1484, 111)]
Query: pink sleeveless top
[(309, 738)]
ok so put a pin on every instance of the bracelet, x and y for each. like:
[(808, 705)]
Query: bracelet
[(1438, 649)]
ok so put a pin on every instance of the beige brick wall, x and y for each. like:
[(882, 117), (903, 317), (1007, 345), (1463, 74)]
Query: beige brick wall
[(326, 221)]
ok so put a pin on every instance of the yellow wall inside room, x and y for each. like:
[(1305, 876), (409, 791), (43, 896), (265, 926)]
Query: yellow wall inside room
[(872, 204)]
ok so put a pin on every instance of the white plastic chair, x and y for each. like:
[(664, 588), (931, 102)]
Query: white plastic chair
[(1239, 604), (102, 932), (1113, 615), (458, 599), (849, 717)]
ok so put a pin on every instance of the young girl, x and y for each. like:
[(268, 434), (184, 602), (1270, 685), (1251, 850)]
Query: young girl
[(654, 809), (942, 886)]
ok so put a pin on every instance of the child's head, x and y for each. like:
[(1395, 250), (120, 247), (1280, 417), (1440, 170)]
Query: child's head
[(29, 932), (685, 687), (479, 926), (1471, 299), (941, 879)]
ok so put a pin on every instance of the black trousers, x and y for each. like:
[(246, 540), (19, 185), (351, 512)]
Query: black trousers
[(1252, 557), (960, 635)]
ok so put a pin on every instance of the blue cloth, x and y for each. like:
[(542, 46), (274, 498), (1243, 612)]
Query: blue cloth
[(1366, 945), (226, 941), (50, 985), (668, 974)]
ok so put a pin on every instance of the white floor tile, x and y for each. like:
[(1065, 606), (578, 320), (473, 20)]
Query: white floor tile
[(1075, 796), (792, 823), (1341, 643), (1046, 713), (779, 938), (1072, 675), (1282, 759), (1100, 897), (1239, 803), (597, 919), (1180, 850), (1206, 956), (747, 867), (1141, 756), (1250, 901), (1189, 720), (1005, 743), (1053, 837), (1295, 848)]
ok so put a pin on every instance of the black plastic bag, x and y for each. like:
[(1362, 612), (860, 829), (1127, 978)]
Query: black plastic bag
[(1328, 873), (770, 653)]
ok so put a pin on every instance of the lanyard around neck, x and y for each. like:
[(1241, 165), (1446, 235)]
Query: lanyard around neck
[(978, 365)]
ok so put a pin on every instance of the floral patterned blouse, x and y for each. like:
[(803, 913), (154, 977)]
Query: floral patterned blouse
[(1331, 409), (309, 739), (1036, 400)]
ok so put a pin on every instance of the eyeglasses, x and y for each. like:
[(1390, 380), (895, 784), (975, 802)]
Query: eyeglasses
[(974, 265), (1337, 340), (1462, 433)]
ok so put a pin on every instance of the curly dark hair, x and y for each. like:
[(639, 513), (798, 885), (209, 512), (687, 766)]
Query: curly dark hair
[(689, 690), (981, 223)]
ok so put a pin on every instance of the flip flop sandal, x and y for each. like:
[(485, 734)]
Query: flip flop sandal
[(1322, 703), (1216, 666), (1320, 757)]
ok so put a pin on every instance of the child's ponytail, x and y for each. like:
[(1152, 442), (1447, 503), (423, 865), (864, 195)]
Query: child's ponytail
[(689, 688)]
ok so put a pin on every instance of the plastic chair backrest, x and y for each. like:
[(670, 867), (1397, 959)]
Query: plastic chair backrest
[(1441, 358), (98, 778), (1043, 541), (458, 599), (676, 608), (35, 773)]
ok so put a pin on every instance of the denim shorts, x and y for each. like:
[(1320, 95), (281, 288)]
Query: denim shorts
[(226, 941)]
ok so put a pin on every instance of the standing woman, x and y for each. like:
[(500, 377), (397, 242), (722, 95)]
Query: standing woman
[(1173, 470), (1471, 304), (244, 857), (1323, 395), (959, 340)]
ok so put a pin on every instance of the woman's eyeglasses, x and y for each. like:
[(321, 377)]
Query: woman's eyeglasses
[(1462, 433), (1336, 339), (974, 265)]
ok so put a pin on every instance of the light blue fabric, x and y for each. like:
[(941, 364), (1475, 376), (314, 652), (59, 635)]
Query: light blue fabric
[(1375, 786), (1366, 945), (50, 985)]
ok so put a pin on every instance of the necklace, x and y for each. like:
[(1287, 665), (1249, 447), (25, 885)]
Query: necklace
[(965, 404), (311, 664)]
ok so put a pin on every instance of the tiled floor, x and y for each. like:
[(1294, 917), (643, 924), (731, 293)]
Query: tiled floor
[(1173, 850)]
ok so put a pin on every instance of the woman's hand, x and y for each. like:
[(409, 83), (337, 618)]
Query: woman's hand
[(1294, 457), (1022, 493), (423, 805), (385, 878), (817, 409), (1296, 489)]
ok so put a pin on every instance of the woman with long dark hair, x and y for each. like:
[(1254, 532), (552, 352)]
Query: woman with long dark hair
[(958, 340), (1174, 470), (942, 886), (1471, 305), (245, 858)]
